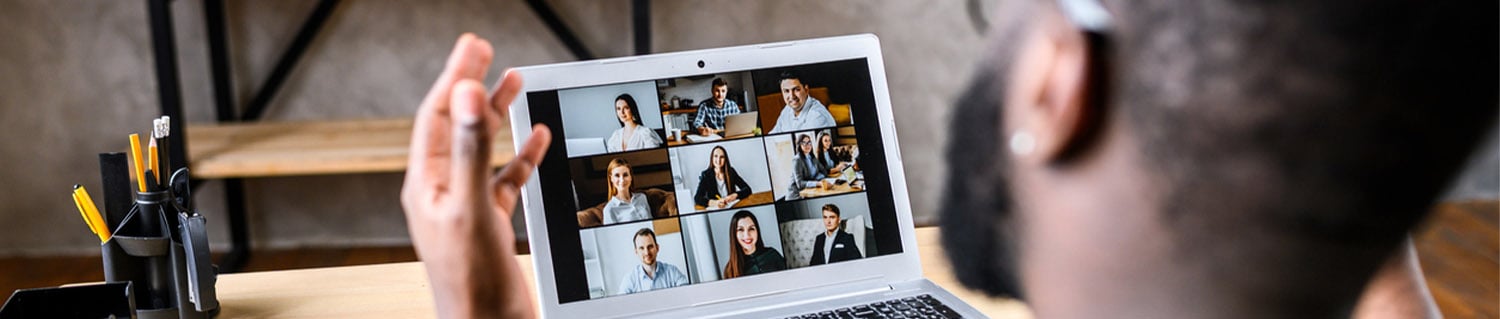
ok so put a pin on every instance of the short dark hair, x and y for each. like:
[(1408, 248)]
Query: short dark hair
[(832, 208), (1304, 130), (718, 82), (790, 75), (1361, 109), (642, 232)]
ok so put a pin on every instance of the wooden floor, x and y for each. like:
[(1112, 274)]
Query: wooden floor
[(1459, 249)]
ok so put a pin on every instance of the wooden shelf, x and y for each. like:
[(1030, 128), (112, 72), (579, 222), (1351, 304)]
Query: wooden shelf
[(310, 148), (690, 110)]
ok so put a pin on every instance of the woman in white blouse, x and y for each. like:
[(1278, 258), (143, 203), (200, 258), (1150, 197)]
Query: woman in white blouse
[(632, 135), (624, 205)]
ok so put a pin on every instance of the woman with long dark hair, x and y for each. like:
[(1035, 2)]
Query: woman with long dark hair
[(748, 255), (720, 185), (632, 135), (807, 171), (825, 153)]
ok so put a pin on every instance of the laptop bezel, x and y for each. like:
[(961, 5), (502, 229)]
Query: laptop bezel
[(875, 271)]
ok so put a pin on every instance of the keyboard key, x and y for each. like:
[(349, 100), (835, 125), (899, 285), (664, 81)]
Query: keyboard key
[(923, 306)]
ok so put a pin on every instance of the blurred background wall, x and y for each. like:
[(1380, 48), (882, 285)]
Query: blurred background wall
[(76, 76)]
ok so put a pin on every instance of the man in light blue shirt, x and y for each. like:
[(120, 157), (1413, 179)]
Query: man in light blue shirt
[(651, 274), (802, 112)]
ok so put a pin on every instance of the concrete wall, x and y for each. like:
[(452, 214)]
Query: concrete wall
[(76, 77)]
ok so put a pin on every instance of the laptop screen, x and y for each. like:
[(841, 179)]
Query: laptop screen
[(660, 184)]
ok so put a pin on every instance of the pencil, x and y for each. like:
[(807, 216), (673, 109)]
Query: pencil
[(135, 154), (151, 160)]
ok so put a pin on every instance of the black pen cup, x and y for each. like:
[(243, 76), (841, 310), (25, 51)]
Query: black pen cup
[(145, 253)]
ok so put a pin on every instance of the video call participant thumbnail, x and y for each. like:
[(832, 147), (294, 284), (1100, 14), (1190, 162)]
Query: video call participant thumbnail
[(802, 112), (624, 203), (840, 248), (632, 135), (747, 254), (825, 154), (711, 112), (652, 274), (720, 184), (807, 170)]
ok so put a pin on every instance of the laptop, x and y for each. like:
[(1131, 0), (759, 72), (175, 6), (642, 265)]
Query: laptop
[(741, 124), (763, 256)]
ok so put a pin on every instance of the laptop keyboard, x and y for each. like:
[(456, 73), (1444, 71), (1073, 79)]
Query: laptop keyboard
[(924, 306)]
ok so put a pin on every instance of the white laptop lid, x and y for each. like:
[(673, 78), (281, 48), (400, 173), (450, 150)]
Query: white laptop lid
[(584, 243)]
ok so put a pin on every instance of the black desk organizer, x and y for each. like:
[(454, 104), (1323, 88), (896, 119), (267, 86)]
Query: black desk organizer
[(157, 254), (161, 247)]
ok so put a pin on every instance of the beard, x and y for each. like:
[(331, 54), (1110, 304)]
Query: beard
[(977, 216)]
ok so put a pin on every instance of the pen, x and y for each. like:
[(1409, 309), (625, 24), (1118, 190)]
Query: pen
[(77, 202), (135, 154), (91, 213)]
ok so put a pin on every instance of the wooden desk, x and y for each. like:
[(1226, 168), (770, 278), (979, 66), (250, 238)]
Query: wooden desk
[(309, 148), (834, 190), (683, 141), (752, 200), (401, 290)]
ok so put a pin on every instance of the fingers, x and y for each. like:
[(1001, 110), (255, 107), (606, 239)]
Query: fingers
[(510, 86), (509, 180), (470, 158), (430, 141)]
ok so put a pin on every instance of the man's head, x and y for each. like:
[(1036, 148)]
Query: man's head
[(1254, 145), (793, 91), (645, 246), (720, 89), (830, 218)]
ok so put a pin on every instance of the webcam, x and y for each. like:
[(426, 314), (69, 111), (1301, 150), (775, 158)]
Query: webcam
[(700, 64)]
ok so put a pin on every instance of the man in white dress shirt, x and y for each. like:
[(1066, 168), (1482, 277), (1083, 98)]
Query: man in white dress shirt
[(802, 112)]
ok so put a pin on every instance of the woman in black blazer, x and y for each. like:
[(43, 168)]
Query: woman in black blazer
[(720, 185)]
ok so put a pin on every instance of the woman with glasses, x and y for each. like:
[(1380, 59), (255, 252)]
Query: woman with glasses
[(807, 171)]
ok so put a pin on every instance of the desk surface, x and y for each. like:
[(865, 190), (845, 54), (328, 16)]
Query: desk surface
[(401, 290), (309, 148), (752, 200)]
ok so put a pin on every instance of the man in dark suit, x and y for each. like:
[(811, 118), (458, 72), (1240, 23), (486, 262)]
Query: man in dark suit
[(842, 248)]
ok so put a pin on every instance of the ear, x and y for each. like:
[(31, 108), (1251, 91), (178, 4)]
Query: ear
[(1052, 96)]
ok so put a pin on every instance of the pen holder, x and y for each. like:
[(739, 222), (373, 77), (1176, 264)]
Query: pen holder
[(152, 256)]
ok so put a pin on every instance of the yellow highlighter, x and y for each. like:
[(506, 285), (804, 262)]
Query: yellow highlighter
[(140, 168), (91, 214)]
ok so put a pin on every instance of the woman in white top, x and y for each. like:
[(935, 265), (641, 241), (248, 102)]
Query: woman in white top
[(624, 205), (632, 135)]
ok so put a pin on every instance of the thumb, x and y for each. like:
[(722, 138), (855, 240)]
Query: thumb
[(471, 141)]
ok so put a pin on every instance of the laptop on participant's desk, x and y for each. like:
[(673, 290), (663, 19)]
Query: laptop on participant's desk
[(705, 230), (741, 124)]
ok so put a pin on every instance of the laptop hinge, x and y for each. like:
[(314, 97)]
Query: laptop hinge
[(870, 281)]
